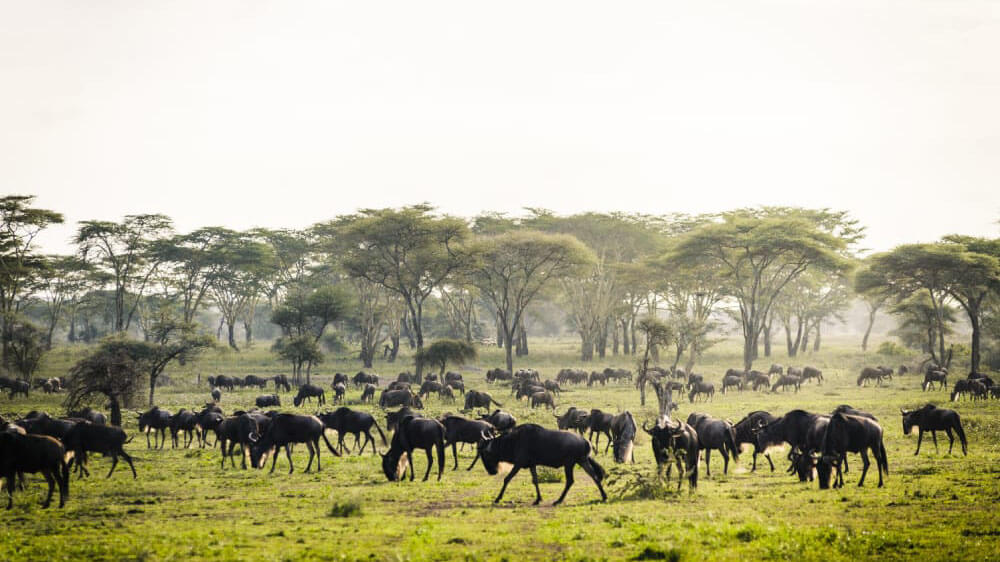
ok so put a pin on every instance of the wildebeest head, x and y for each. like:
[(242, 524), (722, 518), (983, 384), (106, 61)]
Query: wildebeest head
[(394, 465), (489, 450), (624, 427), (909, 420)]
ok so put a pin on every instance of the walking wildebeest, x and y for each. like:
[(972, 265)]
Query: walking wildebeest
[(34, 453), (286, 429), (254, 380), (746, 432), (714, 434), (705, 389), (734, 381), (243, 430), (339, 390), (476, 399), (281, 381), (532, 445), (542, 398), (268, 401), (933, 419), (623, 436), (785, 381), (812, 373), (850, 434), (677, 443), (308, 391), (871, 374), (600, 423), (368, 394), (184, 421), (344, 420), (107, 440), (463, 430), (573, 418), (501, 420), (414, 433), (155, 421), (391, 398), (935, 376)]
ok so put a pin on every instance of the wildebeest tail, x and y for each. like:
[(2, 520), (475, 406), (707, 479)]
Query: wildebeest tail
[(497, 403), (731, 443), (380, 434), (129, 440), (961, 433), (329, 446), (598, 469), (885, 459)]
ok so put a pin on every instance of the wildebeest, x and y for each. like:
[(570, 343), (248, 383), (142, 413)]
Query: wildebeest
[(848, 409), (573, 418), (933, 419), (961, 388), (785, 381), (714, 434), (398, 385), (392, 419), (242, 429), (414, 433), (363, 378), (542, 398), (184, 421), (19, 387), (345, 421), (308, 391), (392, 398), (495, 375), (107, 440), (208, 419), (452, 376), (596, 377), (463, 430), (155, 421), (812, 373), (746, 430), (678, 443), (286, 429), (281, 381), (406, 376), (850, 434), (216, 395), (501, 420), (757, 379), (429, 387), (476, 399), (339, 378), (268, 401), (978, 390), (706, 389), (368, 394), (935, 376), (89, 414), (447, 393), (600, 423), (552, 386), (254, 380), (802, 430), (339, 391), (34, 453), (870, 374), (531, 446), (571, 376), (694, 379), (776, 369), (223, 381), (623, 436), (732, 381)]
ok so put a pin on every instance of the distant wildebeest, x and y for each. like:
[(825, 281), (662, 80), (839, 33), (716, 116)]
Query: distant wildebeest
[(447, 393), (978, 390), (281, 381), (758, 380), (706, 389), (393, 398), (961, 388), (797, 371), (339, 391), (223, 381), (345, 421), (552, 386), (268, 401), (363, 378), (542, 398), (34, 453), (714, 434), (571, 376), (398, 385), (496, 375), (414, 433), (746, 432), (870, 374), (850, 434), (693, 380), (216, 395), (452, 376), (19, 387), (254, 380), (732, 381), (933, 419), (430, 387), (776, 369), (308, 391), (529, 446), (286, 429), (623, 436), (89, 414), (573, 419), (475, 399), (208, 420), (107, 440), (339, 378), (596, 377), (618, 375), (785, 381), (392, 419), (155, 421), (903, 369), (812, 373), (368, 394), (462, 430), (600, 423), (935, 376), (406, 376), (501, 420), (676, 443), (187, 422)]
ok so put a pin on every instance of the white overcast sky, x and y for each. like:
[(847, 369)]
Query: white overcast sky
[(284, 113)]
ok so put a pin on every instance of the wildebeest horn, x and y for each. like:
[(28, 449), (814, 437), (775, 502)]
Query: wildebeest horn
[(253, 437), (483, 435), (902, 411), (646, 429)]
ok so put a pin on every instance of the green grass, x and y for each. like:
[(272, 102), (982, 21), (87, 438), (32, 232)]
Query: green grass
[(183, 506)]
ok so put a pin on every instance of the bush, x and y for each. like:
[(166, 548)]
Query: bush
[(350, 508), (891, 348)]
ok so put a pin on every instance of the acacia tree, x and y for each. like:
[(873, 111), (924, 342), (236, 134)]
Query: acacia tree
[(243, 266), (874, 301), (657, 334), (444, 351), (193, 261), (919, 323), (408, 251), (20, 265), (303, 317), (109, 372), (127, 251), (758, 253), (170, 340), (61, 284), (513, 267)]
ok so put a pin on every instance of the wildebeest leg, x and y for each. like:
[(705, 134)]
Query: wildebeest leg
[(708, 471), (474, 459), (9, 484), (409, 457), (534, 480), (569, 482), (288, 453), (768, 457), (506, 480), (454, 452), (725, 460), (274, 459), (951, 440), (864, 470), (879, 454), (441, 454), (430, 463), (309, 445), (340, 441), (148, 446), (608, 446), (52, 487), (369, 439), (920, 438)]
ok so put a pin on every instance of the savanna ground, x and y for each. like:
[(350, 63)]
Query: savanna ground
[(183, 506)]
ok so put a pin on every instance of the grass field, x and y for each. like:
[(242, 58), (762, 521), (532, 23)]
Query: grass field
[(183, 506)]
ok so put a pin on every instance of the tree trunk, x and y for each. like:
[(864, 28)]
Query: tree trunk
[(767, 340), (602, 340), (614, 337), (248, 331), (805, 341), (975, 353), (523, 339), (71, 337), (116, 410), (625, 343), (868, 330), (816, 342), (500, 336), (586, 348), (152, 389), (508, 350), (231, 330), (635, 344)]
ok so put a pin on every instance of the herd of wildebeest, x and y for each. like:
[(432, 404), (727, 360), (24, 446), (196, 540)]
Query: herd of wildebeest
[(818, 443)]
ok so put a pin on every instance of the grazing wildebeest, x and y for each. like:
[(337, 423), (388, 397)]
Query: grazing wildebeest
[(623, 436), (414, 433), (242, 429), (678, 443), (223, 381), (758, 379), (785, 381), (732, 381), (89, 414), (978, 390), (339, 378), (501, 420), (398, 385), (812, 373), (368, 394), (694, 379), (961, 388), (532, 445), (339, 391), (706, 389), (600, 423), (363, 378), (34, 453), (850, 434), (254, 380), (344, 420), (308, 391), (184, 421), (392, 398), (281, 381), (802, 430), (429, 387), (19, 387), (746, 432), (476, 399), (268, 401), (573, 418), (714, 434), (494, 375), (552, 386), (216, 395), (542, 398), (392, 419), (447, 393), (463, 430), (597, 377), (935, 376), (933, 419), (776, 369), (155, 421), (870, 374), (286, 429), (107, 440)]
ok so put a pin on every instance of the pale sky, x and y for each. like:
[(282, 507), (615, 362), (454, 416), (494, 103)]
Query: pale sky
[(282, 114)]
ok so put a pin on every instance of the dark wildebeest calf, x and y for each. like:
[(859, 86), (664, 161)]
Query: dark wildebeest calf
[(714, 434), (933, 419), (345, 420), (414, 433), (746, 432)]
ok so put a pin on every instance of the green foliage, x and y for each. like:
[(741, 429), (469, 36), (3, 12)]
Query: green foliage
[(343, 509), (26, 348), (445, 351), (891, 349)]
